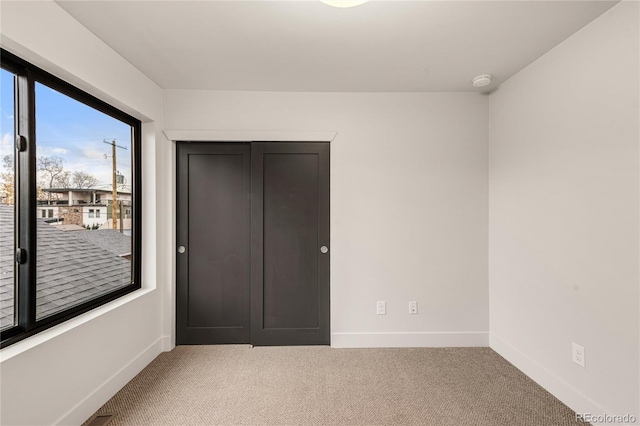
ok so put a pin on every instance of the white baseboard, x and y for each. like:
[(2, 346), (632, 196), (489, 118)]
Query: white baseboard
[(166, 344), (572, 397), (409, 339), (89, 405)]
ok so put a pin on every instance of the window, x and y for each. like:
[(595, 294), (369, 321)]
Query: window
[(73, 145)]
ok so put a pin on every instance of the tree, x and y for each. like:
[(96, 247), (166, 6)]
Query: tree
[(83, 180), (52, 169), (52, 175), (7, 180), (63, 180)]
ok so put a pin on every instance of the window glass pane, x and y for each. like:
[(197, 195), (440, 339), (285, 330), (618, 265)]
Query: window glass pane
[(7, 200), (83, 164)]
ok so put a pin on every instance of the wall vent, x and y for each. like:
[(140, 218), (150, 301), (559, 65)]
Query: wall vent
[(100, 420)]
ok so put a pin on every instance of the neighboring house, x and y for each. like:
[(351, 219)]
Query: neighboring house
[(84, 207), (73, 266)]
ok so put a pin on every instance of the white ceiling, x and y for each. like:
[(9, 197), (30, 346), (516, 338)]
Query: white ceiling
[(381, 46)]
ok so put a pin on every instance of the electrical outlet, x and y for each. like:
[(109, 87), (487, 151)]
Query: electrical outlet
[(381, 308), (413, 308), (577, 354)]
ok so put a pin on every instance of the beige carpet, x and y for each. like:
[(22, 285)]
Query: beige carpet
[(238, 385)]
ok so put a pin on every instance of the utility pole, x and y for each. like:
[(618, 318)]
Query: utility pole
[(114, 202), (121, 215)]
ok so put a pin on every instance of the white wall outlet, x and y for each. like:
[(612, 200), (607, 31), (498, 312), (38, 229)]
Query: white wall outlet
[(413, 308), (381, 307), (577, 354)]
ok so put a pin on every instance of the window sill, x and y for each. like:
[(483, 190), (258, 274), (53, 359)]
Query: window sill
[(46, 335)]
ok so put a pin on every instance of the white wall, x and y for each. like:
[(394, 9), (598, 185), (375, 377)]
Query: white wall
[(564, 216), (408, 203), (63, 375)]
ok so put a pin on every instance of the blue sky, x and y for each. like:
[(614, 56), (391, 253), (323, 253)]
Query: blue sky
[(70, 130), (6, 113)]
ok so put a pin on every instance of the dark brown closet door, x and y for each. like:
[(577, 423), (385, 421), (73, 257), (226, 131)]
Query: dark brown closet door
[(213, 243), (290, 243)]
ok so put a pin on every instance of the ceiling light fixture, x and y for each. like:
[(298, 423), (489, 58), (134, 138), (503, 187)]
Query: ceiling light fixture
[(482, 80), (344, 3)]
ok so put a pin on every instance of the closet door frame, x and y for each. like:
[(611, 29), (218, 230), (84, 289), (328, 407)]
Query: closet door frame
[(253, 167)]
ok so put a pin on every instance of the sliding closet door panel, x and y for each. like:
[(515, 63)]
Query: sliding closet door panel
[(214, 229), (290, 240), (217, 264), (290, 224)]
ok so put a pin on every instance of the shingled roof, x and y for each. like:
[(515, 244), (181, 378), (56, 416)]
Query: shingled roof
[(71, 269)]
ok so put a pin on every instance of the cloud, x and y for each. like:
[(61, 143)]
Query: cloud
[(58, 150), (7, 140), (93, 153), (53, 151)]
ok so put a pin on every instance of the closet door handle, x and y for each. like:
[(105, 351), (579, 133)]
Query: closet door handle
[(324, 249), (181, 249)]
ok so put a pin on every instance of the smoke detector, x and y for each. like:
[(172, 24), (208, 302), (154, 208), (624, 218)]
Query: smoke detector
[(481, 80)]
